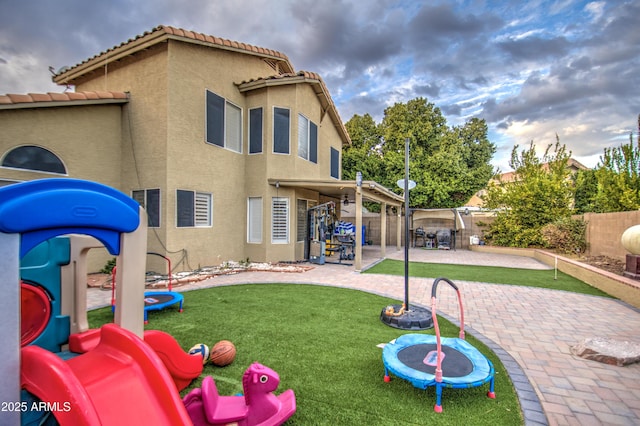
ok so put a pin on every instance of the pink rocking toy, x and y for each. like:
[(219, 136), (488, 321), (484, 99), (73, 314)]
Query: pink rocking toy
[(258, 406)]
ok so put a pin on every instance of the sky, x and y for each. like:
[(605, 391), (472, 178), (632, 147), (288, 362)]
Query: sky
[(532, 70)]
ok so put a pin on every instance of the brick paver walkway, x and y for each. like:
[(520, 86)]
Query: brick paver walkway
[(531, 329)]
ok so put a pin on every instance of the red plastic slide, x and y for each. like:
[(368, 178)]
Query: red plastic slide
[(121, 381), (182, 366)]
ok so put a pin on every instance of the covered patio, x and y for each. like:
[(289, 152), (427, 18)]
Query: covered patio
[(355, 191)]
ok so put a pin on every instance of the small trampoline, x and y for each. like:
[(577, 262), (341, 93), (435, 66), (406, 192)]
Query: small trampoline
[(444, 362), (158, 300), (153, 300)]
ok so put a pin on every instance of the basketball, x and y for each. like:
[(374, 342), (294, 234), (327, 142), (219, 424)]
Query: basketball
[(201, 350), (223, 353)]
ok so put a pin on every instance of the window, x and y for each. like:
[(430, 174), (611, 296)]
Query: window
[(34, 158), (280, 220), (255, 131), (193, 209), (335, 163), (281, 130), (224, 123), (254, 219), (149, 199), (301, 225), (307, 139)]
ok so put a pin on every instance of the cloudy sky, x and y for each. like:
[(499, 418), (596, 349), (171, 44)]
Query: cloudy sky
[(531, 69)]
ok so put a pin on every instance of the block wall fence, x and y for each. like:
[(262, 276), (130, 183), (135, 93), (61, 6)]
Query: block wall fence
[(604, 230)]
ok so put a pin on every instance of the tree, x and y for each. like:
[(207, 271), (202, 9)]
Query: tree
[(618, 178), (540, 193), (449, 165), (363, 154), (586, 189)]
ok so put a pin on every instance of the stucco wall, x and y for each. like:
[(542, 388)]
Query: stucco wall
[(157, 141), (87, 139)]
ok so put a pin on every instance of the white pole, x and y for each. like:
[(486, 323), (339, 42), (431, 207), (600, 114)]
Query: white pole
[(555, 274)]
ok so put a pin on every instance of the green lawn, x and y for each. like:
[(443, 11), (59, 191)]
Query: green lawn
[(322, 342), (488, 274)]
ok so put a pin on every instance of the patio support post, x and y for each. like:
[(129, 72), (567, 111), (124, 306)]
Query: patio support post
[(383, 230), (358, 253)]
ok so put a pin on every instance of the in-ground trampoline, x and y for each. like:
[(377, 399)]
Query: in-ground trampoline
[(444, 362)]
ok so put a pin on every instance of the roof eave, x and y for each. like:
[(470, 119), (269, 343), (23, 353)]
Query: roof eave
[(53, 104), (148, 41), (325, 99), (110, 56), (371, 190)]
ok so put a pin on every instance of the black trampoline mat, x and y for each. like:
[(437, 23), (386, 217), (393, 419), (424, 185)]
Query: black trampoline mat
[(157, 299), (422, 357)]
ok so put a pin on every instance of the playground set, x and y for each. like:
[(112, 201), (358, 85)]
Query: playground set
[(57, 370)]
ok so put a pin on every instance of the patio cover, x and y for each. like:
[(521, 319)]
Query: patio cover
[(447, 214), (369, 191)]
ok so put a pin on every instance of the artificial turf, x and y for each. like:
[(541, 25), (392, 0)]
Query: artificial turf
[(542, 278), (322, 342)]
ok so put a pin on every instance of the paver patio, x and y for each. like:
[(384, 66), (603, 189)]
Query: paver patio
[(531, 329)]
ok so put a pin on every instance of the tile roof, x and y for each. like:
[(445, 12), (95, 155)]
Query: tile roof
[(279, 61), (31, 100), (306, 74), (160, 34), (301, 77)]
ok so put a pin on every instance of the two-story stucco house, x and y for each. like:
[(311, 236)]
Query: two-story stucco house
[(224, 144)]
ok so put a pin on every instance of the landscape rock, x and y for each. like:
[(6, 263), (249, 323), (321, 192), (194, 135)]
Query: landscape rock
[(608, 351)]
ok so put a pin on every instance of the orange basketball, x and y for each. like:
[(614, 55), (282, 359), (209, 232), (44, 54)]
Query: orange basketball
[(223, 353)]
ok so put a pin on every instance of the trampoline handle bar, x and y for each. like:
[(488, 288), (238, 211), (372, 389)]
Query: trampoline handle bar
[(435, 285), (170, 285), (434, 289)]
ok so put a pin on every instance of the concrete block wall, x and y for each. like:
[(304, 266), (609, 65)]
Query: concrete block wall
[(604, 230)]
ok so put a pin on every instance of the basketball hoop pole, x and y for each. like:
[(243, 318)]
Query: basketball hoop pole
[(406, 223), (403, 317)]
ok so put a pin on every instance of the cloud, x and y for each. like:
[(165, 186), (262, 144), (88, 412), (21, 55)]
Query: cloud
[(531, 70)]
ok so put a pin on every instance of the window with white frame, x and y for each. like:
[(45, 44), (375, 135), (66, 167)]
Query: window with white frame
[(254, 219), (224, 123), (194, 209), (280, 220), (307, 139), (149, 199), (301, 225), (281, 130), (255, 131)]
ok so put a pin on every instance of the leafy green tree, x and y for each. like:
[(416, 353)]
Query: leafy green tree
[(449, 165), (363, 154), (586, 189), (540, 193), (618, 178)]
